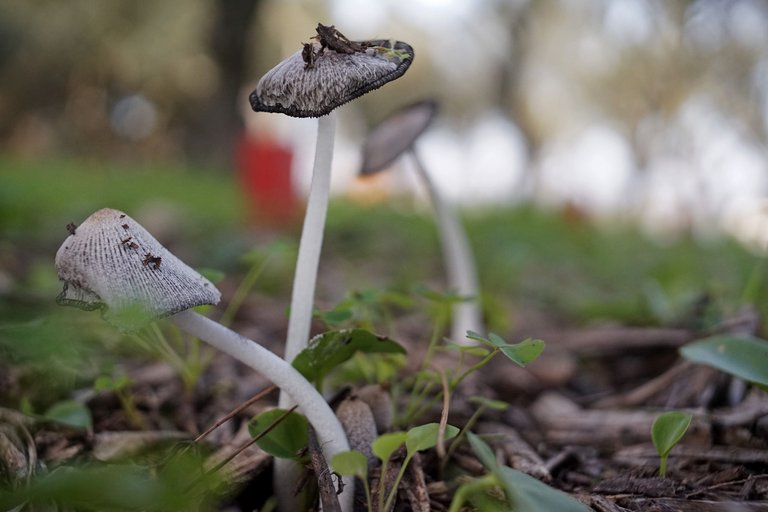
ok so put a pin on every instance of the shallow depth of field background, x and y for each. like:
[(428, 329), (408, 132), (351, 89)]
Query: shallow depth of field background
[(609, 157)]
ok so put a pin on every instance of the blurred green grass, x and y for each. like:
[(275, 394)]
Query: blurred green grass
[(572, 272), (527, 256)]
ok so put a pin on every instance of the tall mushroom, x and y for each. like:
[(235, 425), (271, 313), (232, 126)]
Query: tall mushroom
[(327, 72), (395, 136), (111, 263)]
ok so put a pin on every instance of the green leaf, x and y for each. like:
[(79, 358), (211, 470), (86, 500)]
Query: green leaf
[(386, 444), (483, 452), (70, 412), (327, 351), (109, 383), (424, 437), (528, 494), (496, 405), (520, 353), (524, 352), (524, 492), (745, 357), (286, 440), (350, 463), (335, 316), (668, 429)]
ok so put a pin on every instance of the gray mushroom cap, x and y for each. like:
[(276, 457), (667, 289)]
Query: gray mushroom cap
[(395, 135), (110, 262), (294, 89)]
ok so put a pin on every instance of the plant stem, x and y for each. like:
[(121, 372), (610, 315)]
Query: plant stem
[(396, 486), (458, 258), (314, 407)]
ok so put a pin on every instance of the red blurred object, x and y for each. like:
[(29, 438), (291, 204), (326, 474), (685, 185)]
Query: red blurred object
[(264, 169)]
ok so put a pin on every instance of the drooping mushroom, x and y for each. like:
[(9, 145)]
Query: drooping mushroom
[(111, 263), (329, 71), (388, 141)]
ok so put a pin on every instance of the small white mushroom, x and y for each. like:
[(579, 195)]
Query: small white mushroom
[(387, 142), (112, 263)]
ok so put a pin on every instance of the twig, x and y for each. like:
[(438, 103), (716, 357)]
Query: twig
[(325, 485), (237, 410), (443, 416)]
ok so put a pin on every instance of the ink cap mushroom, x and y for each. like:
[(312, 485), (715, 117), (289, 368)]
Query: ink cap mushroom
[(327, 72), (395, 136), (111, 263), (324, 74)]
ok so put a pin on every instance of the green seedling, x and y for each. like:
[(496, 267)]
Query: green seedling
[(355, 464), (416, 439), (329, 350), (666, 432), (72, 413), (482, 405), (745, 357), (521, 354), (121, 387), (523, 493), (369, 309)]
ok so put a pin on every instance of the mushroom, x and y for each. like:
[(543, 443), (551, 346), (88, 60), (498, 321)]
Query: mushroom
[(111, 263), (326, 73), (395, 136)]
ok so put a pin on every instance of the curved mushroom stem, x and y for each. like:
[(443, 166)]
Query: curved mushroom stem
[(313, 405), (459, 261)]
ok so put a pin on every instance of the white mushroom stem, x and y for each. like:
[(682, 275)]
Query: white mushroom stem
[(319, 414), (458, 258), (303, 295)]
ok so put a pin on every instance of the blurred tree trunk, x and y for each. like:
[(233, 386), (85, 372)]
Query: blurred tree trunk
[(216, 122)]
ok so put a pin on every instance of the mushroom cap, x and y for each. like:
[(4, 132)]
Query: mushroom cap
[(395, 135), (298, 90), (110, 262)]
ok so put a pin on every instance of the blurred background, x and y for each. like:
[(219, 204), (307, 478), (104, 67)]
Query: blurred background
[(644, 109), (616, 146)]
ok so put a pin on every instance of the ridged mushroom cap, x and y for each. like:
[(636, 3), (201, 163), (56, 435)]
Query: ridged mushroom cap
[(298, 90), (110, 262), (395, 135)]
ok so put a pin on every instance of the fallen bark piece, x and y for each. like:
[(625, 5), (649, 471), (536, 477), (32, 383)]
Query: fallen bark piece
[(649, 487), (517, 452), (415, 486), (325, 484), (681, 505), (109, 446), (565, 423), (731, 455), (603, 504)]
